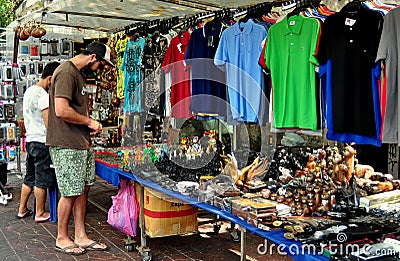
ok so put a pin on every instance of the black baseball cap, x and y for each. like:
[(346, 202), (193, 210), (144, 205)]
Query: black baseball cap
[(101, 50)]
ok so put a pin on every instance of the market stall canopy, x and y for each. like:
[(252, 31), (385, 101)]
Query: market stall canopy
[(103, 15)]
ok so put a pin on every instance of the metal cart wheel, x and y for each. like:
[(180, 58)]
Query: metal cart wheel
[(217, 228), (146, 256), (129, 248), (235, 235), (130, 243)]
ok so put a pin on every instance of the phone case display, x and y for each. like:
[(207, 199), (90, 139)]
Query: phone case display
[(7, 91), (8, 132), (32, 68), (34, 51), (2, 156), (52, 48), (23, 68), (66, 47), (3, 131), (43, 48), (2, 118), (40, 67), (11, 152), (11, 132), (7, 73), (24, 49), (9, 112)]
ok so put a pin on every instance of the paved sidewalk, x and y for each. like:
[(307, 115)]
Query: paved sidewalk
[(23, 239)]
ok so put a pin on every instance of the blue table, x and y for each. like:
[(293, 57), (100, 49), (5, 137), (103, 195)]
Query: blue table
[(292, 247)]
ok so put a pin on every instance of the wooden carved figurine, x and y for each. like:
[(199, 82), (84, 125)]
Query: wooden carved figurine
[(325, 203), (333, 200), (341, 175), (231, 169), (309, 209), (321, 159), (349, 157), (336, 160), (317, 191), (362, 169), (311, 164), (258, 170)]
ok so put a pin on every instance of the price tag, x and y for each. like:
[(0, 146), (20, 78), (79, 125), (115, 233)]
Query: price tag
[(350, 22)]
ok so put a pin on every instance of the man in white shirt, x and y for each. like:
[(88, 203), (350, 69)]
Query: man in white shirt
[(39, 172)]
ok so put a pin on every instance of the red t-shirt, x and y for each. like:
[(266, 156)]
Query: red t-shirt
[(180, 76)]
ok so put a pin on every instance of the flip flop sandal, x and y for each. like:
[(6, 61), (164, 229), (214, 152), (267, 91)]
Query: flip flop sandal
[(42, 220), (92, 248), (65, 250), (27, 213)]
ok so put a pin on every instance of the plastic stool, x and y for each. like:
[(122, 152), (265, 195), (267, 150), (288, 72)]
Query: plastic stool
[(52, 196)]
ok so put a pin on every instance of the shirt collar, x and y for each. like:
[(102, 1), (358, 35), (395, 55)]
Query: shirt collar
[(207, 31), (296, 28), (247, 28)]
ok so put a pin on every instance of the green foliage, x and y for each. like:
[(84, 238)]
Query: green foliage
[(6, 12)]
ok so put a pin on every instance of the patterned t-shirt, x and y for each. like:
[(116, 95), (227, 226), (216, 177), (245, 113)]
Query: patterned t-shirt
[(153, 55), (119, 50), (132, 75)]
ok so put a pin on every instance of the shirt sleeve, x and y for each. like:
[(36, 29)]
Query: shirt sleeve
[(44, 101), (189, 50), (122, 68), (62, 85), (315, 42), (323, 48), (141, 50), (385, 40), (169, 57), (261, 61), (268, 47), (221, 55)]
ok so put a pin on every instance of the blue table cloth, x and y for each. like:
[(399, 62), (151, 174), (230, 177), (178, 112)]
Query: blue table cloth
[(292, 247)]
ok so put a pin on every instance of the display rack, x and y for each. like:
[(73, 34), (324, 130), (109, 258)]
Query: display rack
[(114, 176), (9, 128)]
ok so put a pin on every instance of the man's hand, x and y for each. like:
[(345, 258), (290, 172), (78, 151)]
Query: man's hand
[(95, 126)]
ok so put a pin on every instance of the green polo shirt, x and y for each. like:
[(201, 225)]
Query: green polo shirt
[(290, 55)]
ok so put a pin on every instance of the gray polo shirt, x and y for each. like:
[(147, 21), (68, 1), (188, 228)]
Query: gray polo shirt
[(389, 48)]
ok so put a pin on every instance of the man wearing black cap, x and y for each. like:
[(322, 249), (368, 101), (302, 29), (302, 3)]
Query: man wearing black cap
[(68, 135)]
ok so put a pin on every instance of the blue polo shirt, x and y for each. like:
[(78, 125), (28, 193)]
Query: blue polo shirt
[(238, 53)]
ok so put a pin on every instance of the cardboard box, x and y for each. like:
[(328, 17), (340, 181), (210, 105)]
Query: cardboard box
[(165, 215)]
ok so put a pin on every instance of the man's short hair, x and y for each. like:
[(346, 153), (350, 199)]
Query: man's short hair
[(49, 69)]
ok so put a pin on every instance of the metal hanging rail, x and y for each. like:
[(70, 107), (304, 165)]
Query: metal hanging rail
[(98, 15), (196, 5)]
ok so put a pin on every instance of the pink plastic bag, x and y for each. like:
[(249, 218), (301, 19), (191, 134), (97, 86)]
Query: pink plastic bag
[(123, 214)]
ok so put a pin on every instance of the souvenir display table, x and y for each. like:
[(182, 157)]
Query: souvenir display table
[(114, 176)]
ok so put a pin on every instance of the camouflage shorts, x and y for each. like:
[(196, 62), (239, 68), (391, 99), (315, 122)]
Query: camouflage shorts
[(75, 169)]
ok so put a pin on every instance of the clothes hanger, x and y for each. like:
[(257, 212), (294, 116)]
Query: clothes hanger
[(302, 5), (256, 12), (353, 6)]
